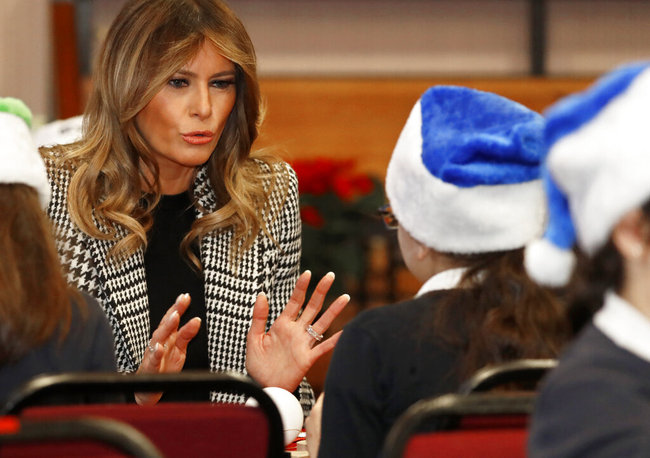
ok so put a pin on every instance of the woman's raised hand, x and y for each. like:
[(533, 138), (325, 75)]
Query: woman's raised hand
[(282, 356), (168, 346)]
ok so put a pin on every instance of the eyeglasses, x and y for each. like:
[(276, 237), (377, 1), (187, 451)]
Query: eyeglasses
[(386, 213)]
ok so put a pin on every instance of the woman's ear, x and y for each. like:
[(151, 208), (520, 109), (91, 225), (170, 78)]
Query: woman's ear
[(422, 250), (630, 235)]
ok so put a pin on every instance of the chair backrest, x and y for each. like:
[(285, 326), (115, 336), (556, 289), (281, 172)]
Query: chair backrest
[(485, 425), (177, 429), (523, 373), (72, 437), (181, 429)]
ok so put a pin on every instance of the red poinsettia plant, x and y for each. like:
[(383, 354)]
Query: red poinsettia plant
[(338, 207)]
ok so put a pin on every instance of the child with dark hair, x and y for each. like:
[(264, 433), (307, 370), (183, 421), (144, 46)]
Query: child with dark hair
[(466, 197), (45, 325)]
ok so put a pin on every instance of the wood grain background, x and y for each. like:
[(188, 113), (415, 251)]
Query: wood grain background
[(361, 118)]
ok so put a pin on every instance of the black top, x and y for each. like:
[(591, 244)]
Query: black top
[(596, 403), (169, 274), (88, 346), (386, 359)]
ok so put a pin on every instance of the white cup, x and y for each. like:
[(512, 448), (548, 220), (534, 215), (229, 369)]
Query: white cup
[(289, 408)]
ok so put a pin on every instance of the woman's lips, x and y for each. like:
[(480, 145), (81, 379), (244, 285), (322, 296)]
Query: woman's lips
[(197, 138)]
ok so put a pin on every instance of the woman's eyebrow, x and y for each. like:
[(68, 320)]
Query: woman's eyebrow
[(215, 75)]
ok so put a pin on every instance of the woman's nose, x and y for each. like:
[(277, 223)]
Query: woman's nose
[(201, 103)]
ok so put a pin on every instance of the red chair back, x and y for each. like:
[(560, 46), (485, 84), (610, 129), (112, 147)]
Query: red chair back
[(73, 437), (181, 429), (477, 438), (453, 426)]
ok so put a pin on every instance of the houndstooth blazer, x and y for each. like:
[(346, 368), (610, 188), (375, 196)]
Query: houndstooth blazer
[(230, 291)]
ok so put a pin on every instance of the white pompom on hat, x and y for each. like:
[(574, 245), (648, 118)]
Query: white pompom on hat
[(597, 168), (464, 176), (20, 161)]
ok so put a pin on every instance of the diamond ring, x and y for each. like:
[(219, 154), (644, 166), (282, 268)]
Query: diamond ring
[(314, 334)]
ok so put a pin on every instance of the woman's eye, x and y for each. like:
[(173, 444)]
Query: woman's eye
[(178, 82), (222, 84)]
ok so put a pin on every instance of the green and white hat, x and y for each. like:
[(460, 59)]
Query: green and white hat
[(20, 161)]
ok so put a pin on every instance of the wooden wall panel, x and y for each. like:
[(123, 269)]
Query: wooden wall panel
[(66, 62), (362, 117)]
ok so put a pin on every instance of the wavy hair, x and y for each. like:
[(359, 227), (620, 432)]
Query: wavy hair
[(35, 299), (504, 314), (146, 44)]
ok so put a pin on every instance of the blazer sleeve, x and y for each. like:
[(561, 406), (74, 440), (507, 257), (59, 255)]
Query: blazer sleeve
[(289, 232)]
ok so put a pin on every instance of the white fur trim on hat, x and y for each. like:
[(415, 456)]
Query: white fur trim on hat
[(456, 219), (59, 132), (19, 158)]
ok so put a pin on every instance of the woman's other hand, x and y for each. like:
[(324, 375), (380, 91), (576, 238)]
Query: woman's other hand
[(168, 346), (282, 356)]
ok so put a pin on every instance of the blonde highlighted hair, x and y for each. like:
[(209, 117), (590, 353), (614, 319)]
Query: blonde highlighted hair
[(147, 43)]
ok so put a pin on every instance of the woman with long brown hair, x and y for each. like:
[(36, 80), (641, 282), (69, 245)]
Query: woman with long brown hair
[(46, 326), (465, 197), (164, 194)]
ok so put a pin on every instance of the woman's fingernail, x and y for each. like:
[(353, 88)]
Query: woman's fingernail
[(156, 347), (347, 297), (174, 314), (330, 274)]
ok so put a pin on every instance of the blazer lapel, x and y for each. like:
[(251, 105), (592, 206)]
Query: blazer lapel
[(125, 293), (230, 290)]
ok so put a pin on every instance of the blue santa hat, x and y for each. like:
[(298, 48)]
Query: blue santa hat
[(20, 161), (597, 168), (464, 176)]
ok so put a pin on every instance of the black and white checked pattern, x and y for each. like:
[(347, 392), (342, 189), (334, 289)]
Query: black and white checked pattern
[(230, 290), (119, 288)]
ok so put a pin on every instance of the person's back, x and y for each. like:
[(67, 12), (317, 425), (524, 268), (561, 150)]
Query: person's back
[(45, 326), (596, 403), (86, 347), (388, 359)]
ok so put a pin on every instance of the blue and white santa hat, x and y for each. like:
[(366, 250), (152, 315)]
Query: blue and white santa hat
[(20, 161), (464, 176), (597, 168)]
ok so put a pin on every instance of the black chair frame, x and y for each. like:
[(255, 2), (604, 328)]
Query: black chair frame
[(519, 371), (38, 388)]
